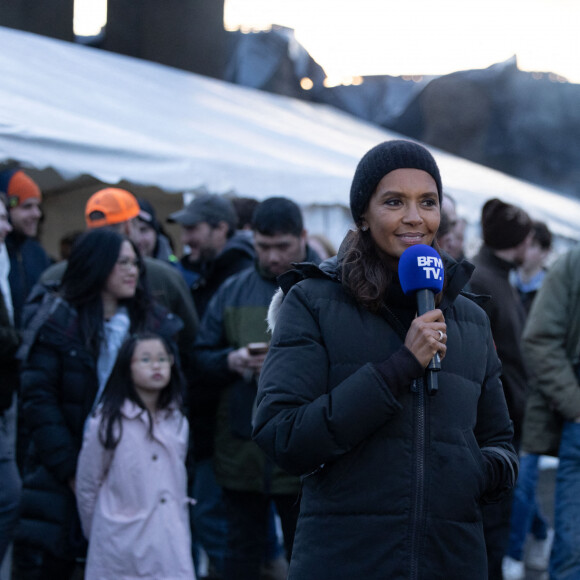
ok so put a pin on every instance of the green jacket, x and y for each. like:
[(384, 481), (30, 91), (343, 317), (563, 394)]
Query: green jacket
[(551, 344), (236, 316)]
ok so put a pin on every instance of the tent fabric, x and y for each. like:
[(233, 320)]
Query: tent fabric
[(81, 110)]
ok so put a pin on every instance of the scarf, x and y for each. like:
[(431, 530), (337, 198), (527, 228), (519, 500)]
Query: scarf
[(115, 331)]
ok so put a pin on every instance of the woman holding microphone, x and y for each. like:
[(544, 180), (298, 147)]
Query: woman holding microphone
[(393, 478)]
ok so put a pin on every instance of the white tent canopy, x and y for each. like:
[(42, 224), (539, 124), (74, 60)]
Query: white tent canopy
[(80, 110)]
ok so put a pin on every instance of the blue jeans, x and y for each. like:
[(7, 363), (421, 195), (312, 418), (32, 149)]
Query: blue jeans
[(565, 557), (526, 516), (210, 526)]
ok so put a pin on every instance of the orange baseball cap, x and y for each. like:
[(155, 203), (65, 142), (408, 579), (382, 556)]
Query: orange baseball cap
[(110, 206)]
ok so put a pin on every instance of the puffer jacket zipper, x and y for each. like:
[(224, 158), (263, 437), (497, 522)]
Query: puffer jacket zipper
[(419, 476)]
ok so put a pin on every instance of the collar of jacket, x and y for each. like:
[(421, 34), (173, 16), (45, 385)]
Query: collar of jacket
[(236, 245), (457, 274), (131, 410), (16, 239), (328, 269), (488, 258)]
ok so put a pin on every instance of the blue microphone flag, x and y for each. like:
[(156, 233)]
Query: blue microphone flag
[(421, 268)]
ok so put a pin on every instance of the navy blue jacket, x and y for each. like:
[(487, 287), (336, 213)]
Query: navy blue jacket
[(28, 260)]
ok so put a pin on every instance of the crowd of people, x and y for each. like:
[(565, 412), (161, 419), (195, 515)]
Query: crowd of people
[(258, 408)]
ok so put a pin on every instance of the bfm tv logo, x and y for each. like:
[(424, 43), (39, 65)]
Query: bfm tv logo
[(432, 266)]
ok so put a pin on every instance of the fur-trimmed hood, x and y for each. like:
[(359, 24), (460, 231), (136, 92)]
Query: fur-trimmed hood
[(327, 269)]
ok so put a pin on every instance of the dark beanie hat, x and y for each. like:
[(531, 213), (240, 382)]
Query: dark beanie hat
[(147, 214), (383, 159), (504, 225)]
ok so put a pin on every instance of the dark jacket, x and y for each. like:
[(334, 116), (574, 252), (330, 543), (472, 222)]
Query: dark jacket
[(392, 487), (507, 318), (59, 384), (27, 262), (205, 278), (235, 317), (203, 281), (9, 340)]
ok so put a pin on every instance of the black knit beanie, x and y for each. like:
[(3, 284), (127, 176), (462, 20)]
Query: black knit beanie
[(504, 225), (383, 159)]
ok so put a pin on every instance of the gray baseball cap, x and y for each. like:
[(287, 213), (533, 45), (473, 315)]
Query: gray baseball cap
[(210, 208)]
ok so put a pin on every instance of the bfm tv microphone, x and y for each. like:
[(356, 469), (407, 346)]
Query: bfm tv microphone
[(421, 273)]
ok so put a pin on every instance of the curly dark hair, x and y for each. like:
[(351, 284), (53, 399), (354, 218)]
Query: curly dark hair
[(363, 271)]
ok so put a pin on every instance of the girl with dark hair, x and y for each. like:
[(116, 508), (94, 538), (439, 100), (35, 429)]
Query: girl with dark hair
[(393, 478), (70, 347), (131, 478)]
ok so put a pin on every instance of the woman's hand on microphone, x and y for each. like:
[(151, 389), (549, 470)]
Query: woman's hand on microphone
[(427, 336)]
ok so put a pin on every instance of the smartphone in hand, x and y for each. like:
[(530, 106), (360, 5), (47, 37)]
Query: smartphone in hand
[(255, 348)]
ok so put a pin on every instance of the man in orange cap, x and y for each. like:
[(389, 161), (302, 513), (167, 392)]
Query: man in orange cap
[(28, 258), (118, 208)]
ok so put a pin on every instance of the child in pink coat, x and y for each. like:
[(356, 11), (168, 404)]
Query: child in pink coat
[(131, 478)]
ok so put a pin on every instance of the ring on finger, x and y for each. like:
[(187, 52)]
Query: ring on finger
[(440, 335)]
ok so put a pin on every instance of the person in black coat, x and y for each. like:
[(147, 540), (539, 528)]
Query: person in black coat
[(507, 234), (9, 340), (70, 346), (393, 479)]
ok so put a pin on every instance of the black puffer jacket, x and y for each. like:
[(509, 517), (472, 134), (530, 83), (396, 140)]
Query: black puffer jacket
[(59, 384), (9, 340), (392, 487)]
